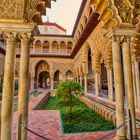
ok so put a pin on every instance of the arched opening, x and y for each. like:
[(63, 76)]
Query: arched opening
[(62, 47), (90, 76), (42, 78), (55, 47), (69, 75), (38, 46), (46, 47), (104, 84), (69, 47), (57, 78)]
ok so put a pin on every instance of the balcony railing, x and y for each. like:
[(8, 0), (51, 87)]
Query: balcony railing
[(47, 52)]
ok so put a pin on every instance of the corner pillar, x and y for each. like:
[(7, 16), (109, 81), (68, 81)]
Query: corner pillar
[(119, 92), (8, 86), (129, 82)]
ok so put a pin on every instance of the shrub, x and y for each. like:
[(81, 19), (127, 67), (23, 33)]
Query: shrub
[(68, 88)]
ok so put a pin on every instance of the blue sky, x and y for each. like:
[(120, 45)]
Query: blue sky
[(64, 13)]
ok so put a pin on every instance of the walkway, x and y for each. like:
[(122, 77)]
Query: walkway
[(47, 123)]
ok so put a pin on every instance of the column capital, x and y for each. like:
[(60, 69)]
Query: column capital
[(118, 33), (9, 36), (25, 37), (109, 66), (116, 38), (127, 39)]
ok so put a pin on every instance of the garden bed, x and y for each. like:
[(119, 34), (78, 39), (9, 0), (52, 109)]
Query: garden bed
[(82, 119)]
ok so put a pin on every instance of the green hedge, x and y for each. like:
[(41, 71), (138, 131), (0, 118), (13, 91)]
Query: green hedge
[(82, 119)]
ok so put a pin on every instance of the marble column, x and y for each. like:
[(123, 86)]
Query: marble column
[(110, 84), (119, 92), (24, 83), (32, 83), (97, 83), (85, 83), (137, 74), (81, 79), (129, 82), (52, 83), (76, 79), (8, 86)]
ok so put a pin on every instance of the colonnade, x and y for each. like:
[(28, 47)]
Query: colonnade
[(126, 77), (83, 77), (66, 49)]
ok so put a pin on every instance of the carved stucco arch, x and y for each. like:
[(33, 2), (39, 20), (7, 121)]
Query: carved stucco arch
[(34, 65), (97, 60), (69, 71), (85, 51), (60, 72)]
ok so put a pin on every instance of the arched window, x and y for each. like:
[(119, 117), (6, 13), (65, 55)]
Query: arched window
[(46, 47), (62, 47), (38, 46), (69, 47), (57, 78), (69, 75), (55, 47)]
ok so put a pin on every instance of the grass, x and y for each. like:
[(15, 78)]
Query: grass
[(82, 119)]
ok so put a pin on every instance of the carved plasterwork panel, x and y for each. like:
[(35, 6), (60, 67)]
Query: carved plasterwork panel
[(11, 9), (62, 67), (125, 9)]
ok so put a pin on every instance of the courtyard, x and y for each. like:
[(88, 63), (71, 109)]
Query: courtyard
[(46, 43)]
